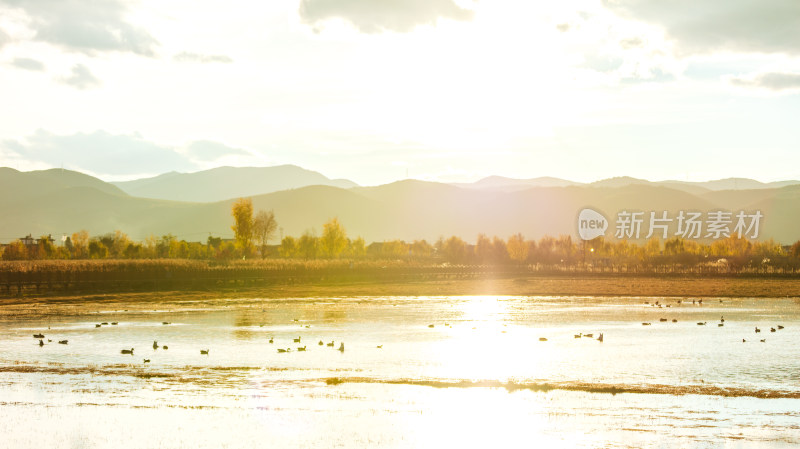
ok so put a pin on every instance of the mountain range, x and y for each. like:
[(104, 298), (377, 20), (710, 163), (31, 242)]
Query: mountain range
[(196, 205)]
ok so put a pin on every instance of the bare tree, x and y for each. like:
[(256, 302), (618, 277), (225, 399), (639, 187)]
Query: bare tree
[(264, 227)]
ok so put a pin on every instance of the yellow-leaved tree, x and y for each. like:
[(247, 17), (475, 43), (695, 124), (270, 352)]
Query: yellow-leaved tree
[(334, 238), (242, 212)]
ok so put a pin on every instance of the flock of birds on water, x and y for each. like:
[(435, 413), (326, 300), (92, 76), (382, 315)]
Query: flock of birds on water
[(703, 323), (156, 346), (331, 344)]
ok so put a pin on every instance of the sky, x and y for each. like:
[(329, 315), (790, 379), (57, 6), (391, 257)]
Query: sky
[(379, 90)]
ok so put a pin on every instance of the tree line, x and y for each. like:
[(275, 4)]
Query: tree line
[(254, 232)]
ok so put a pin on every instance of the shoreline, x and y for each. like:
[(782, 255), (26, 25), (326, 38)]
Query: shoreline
[(622, 286)]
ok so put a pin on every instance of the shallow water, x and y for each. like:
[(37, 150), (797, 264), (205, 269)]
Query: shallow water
[(480, 376)]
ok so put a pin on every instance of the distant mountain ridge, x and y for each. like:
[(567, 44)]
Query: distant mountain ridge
[(62, 201), (224, 183), (509, 184)]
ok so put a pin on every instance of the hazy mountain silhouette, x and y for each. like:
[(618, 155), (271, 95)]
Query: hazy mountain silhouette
[(511, 184), (60, 201), (224, 183)]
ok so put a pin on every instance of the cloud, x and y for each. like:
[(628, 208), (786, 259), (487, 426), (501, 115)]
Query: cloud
[(205, 150), (774, 81), (631, 42), (201, 58), (86, 27), (375, 16), (28, 64), (81, 78), (99, 152), (4, 38), (601, 62), (759, 26)]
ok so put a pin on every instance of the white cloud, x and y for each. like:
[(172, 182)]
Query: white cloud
[(28, 64), (86, 27), (374, 16), (81, 78), (774, 81), (708, 26), (99, 152), (201, 58), (205, 150)]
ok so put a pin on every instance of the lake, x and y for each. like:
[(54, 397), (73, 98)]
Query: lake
[(415, 372)]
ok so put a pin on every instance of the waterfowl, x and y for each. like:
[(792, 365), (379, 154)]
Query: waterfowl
[(758, 330), (204, 351), (780, 327), (38, 335), (321, 343), (721, 319), (764, 340), (701, 323), (720, 324), (104, 324), (297, 340), (165, 323), (165, 347), (330, 344), (282, 350), (674, 320), (588, 335), (308, 326), (772, 329), (379, 346), (127, 351), (271, 340), (114, 323), (63, 342), (41, 343), (578, 335), (600, 338), (341, 347), (155, 345), (49, 340), (145, 360), (645, 324), (743, 340), (662, 319), (542, 339), (96, 325), (430, 326), (301, 348)]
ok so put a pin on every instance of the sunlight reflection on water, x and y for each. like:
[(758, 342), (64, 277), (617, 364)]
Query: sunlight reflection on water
[(698, 385)]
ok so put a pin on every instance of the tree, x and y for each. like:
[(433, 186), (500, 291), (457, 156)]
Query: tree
[(97, 250), (80, 244), (483, 249), (15, 250), (242, 212), (517, 248), (357, 248), (454, 250), (334, 238), (794, 251), (264, 227), (307, 245), (288, 247)]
